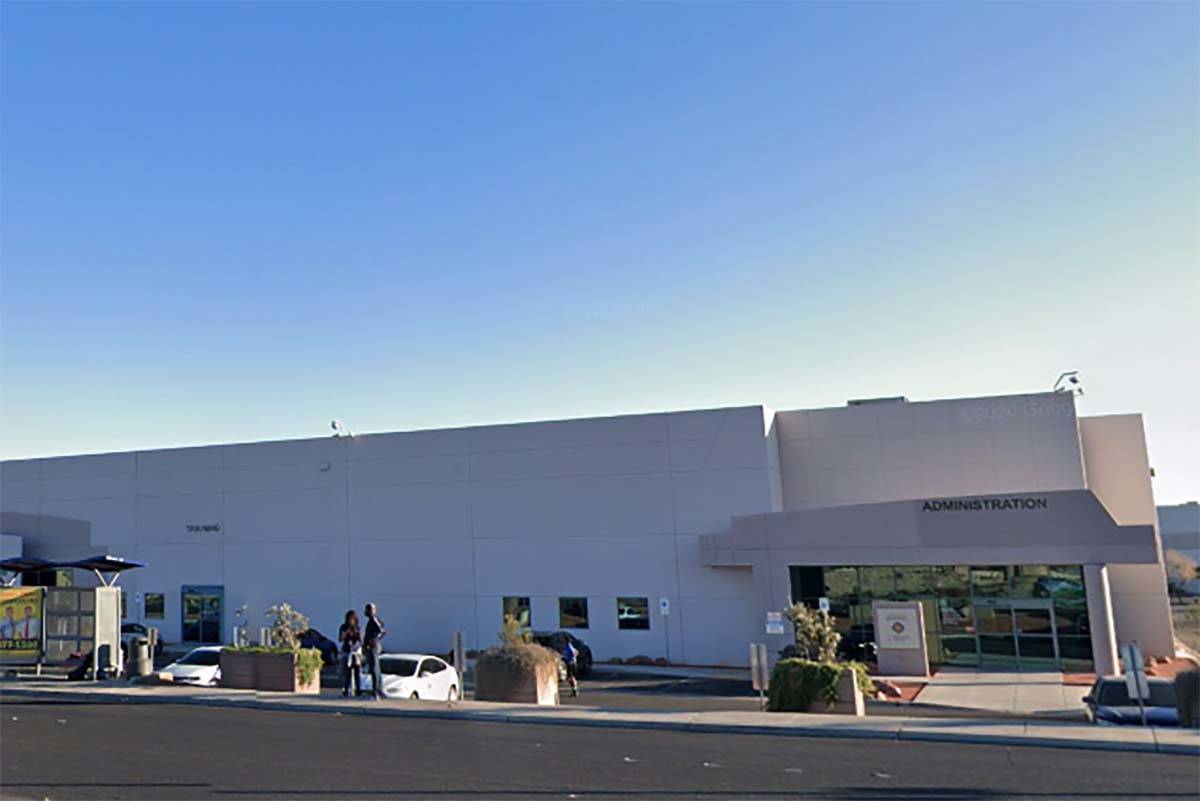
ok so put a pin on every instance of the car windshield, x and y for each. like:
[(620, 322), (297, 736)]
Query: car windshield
[(395, 666), (1113, 693), (201, 658)]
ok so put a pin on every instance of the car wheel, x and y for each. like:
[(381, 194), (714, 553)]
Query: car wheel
[(415, 697), (453, 694)]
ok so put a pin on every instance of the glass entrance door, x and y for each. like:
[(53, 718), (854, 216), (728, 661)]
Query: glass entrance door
[(1017, 634), (202, 608), (995, 630), (1037, 639)]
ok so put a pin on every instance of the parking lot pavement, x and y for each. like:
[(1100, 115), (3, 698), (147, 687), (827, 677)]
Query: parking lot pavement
[(71, 750)]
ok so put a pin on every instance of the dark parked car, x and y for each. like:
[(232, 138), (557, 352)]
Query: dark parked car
[(311, 638), (1109, 704), (557, 640)]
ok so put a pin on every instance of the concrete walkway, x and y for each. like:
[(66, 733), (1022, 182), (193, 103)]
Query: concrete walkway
[(1003, 691), (959, 730)]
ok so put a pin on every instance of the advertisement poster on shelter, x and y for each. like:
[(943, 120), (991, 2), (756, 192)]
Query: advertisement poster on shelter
[(20, 623)]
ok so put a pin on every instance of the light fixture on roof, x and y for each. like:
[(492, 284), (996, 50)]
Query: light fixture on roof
[(1069, 382), (340, 430)]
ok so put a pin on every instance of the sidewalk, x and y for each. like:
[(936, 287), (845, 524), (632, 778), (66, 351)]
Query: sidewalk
[(960, 730), (1006, 691)]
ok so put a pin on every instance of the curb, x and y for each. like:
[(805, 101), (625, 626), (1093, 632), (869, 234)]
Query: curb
[(900, 733)]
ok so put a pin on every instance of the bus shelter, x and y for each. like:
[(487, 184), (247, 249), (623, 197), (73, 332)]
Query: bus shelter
[(53, 626)]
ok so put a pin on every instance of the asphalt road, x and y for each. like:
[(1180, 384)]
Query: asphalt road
[(631, 691), (65, 750)]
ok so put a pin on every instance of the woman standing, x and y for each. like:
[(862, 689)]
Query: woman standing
[(351, 639)]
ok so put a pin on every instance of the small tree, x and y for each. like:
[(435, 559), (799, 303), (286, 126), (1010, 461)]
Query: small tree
[(1180, 568), (816, 638), (286, 626), (513, 633)]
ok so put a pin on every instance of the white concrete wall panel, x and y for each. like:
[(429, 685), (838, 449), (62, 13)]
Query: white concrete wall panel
[(113, 520), (698, 616), (421, 469), (594, 460), (165, 518), (181, 460), (289, 476), (99, 465), (632, 429), (704, 502), (417, 625), (696, 580), (408, 444), (410, 511), (21, 470), (638, 566), (20, 491), (77, 488), (304, 515), (311, 576), (895, 450), (413, 568), (1118, 472), (574, 506), (181, 482)]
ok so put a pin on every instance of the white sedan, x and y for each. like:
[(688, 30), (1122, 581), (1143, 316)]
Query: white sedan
[(198, 666), (417, 676)]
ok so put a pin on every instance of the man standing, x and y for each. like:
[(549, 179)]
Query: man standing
[(570, 657), (373, 635)]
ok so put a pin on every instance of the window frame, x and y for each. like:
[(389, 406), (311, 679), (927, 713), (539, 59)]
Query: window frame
[(583, 604), (631, 601), (146, 613)]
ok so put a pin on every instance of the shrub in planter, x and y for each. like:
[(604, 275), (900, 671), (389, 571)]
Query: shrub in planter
[(815, 635), (1187, 698), (281, 667), (803, 685), (518, 672)]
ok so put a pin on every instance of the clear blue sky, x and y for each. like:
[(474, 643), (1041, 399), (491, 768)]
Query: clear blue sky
[(237, 221)]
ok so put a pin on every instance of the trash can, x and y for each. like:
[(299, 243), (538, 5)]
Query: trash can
[(140, 661)]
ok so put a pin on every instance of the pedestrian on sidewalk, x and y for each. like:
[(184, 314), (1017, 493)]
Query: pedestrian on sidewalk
[(373, 635), (350, 636), (570, 657)]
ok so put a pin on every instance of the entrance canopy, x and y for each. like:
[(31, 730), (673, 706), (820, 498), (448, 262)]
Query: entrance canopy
[(1060, 527), (104, 563)]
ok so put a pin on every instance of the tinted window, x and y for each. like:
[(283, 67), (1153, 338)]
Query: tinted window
[(1114, 693), (397, 667), (573, 613), (202, 658), (633, 613), (155, 604), (432, 666)]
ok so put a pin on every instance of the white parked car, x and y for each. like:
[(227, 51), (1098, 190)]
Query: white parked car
[(199, 666), (418, 676)]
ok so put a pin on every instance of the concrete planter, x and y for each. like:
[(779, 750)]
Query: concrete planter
[(850, 698), (242, 670), (280, 673), (237, 670), (498, 680)]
